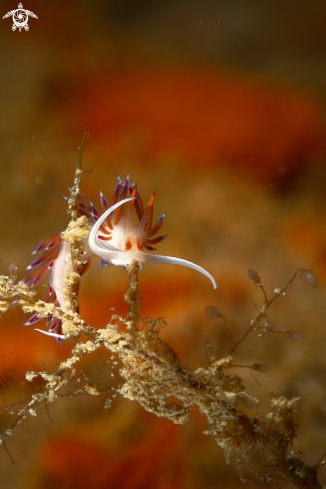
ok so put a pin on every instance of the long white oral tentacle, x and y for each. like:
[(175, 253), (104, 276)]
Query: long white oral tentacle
[(170, 260), (55, 335), (108, 254)]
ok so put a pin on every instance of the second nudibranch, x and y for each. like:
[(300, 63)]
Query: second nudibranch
[(118, 241)]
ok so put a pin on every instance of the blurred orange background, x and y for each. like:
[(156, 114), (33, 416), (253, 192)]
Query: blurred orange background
[(220, 107)]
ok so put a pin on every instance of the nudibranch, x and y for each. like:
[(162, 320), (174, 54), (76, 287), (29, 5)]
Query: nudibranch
[(118, 241), (114, 237), (56, 260)]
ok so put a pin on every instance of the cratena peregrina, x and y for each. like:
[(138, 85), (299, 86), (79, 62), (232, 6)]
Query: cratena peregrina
[(118, 241)]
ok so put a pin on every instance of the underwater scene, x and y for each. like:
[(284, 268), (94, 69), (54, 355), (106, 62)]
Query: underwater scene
[(163, 244)]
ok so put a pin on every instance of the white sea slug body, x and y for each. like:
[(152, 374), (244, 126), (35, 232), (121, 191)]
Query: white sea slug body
[(117, 240)]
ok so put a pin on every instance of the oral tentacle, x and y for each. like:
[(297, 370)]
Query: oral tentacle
[(97, 250), (170, 260), (54, 335)]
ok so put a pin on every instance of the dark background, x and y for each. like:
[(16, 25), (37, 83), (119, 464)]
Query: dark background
[(219, 106)]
